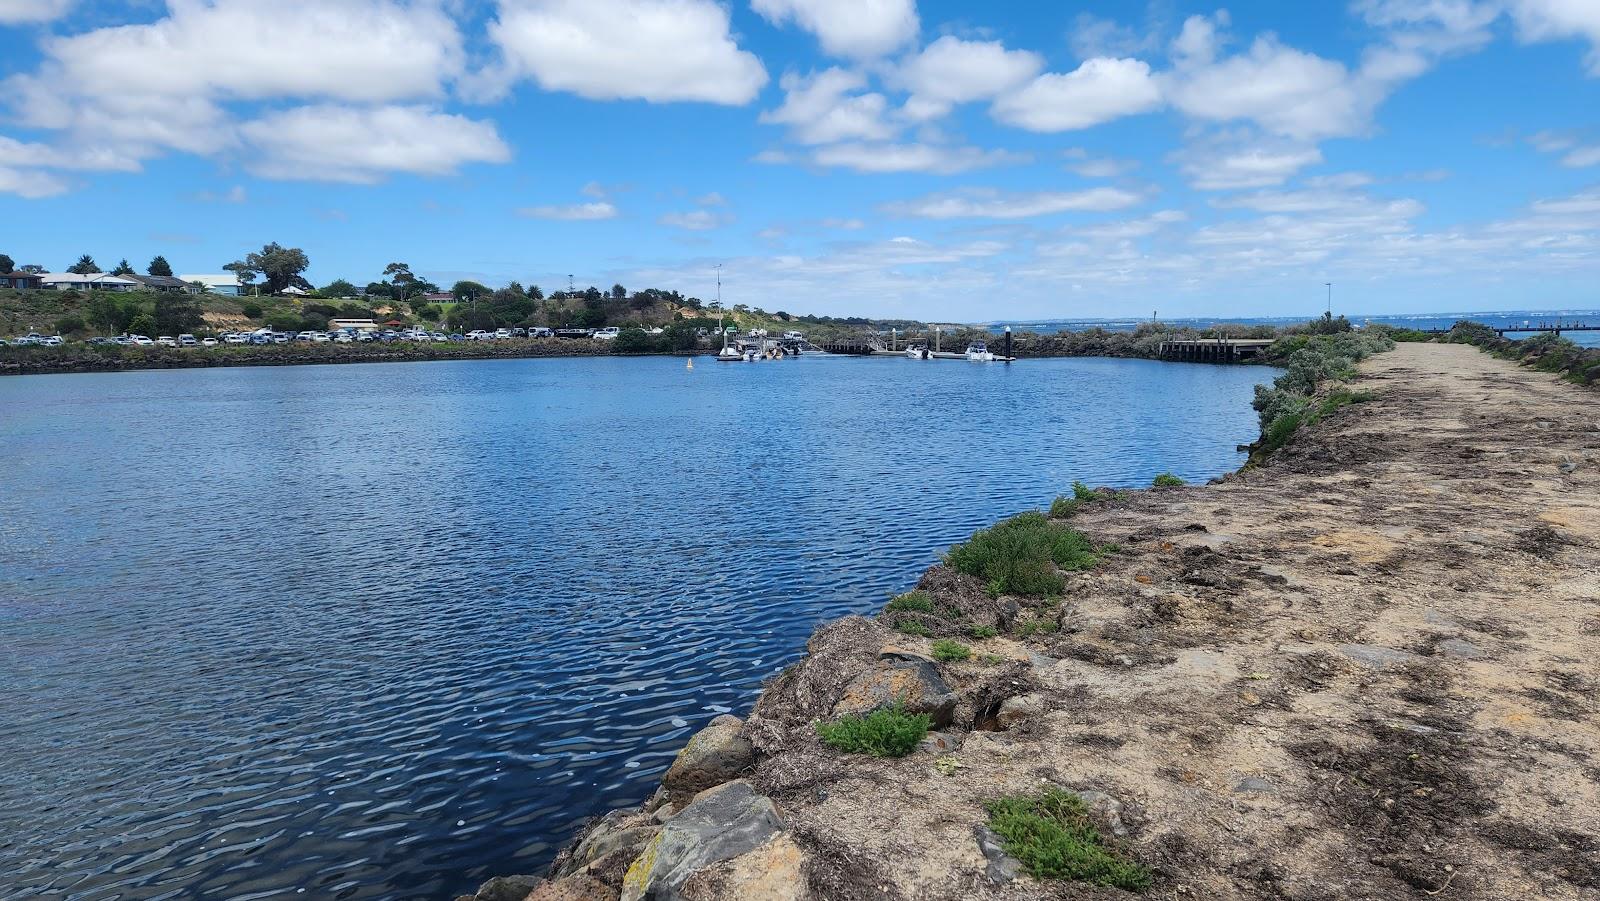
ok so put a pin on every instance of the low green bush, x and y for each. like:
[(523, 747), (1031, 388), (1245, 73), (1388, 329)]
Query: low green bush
[(982, 632), (947, 651), (1168, 480), (1053, 837), (1020, 555), (912, 627), (915, 601), (1063, 507), (1038, 627), (890, 732)]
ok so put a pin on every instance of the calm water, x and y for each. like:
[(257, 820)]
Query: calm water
[(383, 630)]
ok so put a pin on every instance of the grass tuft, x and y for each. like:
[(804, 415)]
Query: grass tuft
[(916, 601), (1020, 555), (1053, 837), (1168, 480), (890, 732), (946, 651), (1038, 627), (912, 627), (982, 632)]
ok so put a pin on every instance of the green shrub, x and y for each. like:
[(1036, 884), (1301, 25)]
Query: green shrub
[(1038, 627), (982, 632), (251, 310), (1063, 507), (69, 324), (993, 660), (1082, 492), (917, 601), (912, 627), (1053, 837), (890, 732), (947, 651), (1020, 555), (1168, 480)]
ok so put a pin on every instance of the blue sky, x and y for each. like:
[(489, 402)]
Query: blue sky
[(934, 160)]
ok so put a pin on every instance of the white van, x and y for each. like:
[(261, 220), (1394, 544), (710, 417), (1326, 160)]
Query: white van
[(607, 333)]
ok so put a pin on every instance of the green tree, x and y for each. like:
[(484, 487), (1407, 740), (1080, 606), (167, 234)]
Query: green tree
[(85, 266), (176, 314), (401, 282), (159, 267), (7, 265), (69, 324), (535, 293), (618, 292), (32, 269), (284, 320), (428, 311), (112, 314), (280, 266), (143, 324), (469, 290), (123, 268), (340, 288), (252, 310)]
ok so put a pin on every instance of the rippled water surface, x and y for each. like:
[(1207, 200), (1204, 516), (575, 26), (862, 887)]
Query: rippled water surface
[(383, 630)]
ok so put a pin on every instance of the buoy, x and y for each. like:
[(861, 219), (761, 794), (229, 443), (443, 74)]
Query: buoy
[(690, 366)]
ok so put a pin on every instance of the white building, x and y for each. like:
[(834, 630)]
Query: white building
[(227, 283), (93, 281)]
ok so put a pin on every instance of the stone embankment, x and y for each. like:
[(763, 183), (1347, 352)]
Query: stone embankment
[(42, 360), (1364, 669)]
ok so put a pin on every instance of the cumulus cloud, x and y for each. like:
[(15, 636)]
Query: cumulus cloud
[(695, 220), (1096, 92), (937, 159), (1080, 162), (577, 212), (858, 29), (822, 108), (29, 12), (362, 144), (655, 50), (1551, 20), (1283, 90), (980, 203), (951, 71), (30, 183)]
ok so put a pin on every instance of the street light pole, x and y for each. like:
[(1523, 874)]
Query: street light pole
[(1330, 299)]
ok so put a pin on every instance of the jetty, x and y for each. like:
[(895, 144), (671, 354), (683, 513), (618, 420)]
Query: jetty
[(1214, 350)]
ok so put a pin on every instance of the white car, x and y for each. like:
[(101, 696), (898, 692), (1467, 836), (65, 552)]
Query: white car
[(502, 333), (478, 334), (187, 341), (51, 341), (208, 342), (167, 341), (236, 339), (343, 338), (320, 337), (607, 333), (141, 340)]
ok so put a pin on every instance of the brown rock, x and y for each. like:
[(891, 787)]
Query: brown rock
[(574, 888), (773, 872), (713, 756), (914, 684)]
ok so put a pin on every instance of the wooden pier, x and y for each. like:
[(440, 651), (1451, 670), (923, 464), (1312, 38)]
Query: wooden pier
[(1214, 350)]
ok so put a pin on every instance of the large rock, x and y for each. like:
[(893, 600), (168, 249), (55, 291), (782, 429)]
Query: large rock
[(776, 871), (720, 824), (914, 684), (1020, 709), (713, 756), (506, 888)]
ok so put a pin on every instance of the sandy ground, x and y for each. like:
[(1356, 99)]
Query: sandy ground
[(1369, 669)]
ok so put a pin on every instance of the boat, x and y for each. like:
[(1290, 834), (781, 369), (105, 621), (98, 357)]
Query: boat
[(919, 351), (979, 352)]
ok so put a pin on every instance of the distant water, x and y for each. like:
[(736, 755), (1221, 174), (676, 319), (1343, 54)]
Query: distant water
[(1509, 318), (370, 631)]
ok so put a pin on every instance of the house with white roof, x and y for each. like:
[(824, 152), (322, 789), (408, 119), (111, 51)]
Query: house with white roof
[(226, 283), (92, 281)]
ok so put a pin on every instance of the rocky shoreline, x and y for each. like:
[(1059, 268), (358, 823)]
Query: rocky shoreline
[(1362, 668), (45, 360)]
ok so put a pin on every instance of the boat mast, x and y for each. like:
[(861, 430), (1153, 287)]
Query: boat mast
[(724, 331)]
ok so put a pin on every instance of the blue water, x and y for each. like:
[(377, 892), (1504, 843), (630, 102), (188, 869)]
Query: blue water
[(384, 630), (1503, 319)]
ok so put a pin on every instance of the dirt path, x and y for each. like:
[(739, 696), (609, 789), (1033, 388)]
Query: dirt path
[(1367, 670)]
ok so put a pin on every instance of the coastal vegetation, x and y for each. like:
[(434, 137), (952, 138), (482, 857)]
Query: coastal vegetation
[(1053, 836), (1023, 555), (1167, 480), (1309, 359), (887, 732), (918, 601), (947, 651), (1544, 352)]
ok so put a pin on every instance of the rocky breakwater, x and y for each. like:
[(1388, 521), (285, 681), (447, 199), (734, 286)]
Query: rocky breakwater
[(1362, 668), (83, 358)]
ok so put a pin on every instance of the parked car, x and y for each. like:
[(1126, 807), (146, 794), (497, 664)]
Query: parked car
[(501, 334), (478, 334), (438, 336), (519, 333), (541, 332), (343, 338), (607, 333), (141, 340), (187, 341), (364, 337), (239, 339), (51, 341), (260, 340), (208, 342), (457, 336)]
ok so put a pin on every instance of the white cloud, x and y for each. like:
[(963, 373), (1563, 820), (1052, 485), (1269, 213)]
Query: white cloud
[(695, 220), (1284, 90), (820, 108), (1549, 20), (1582, 157), (951, 71), (859, 29), (844, 224), (1096, 167), (30, 183), (1233, 161), (712, 199), (1133, 228), (1098, 91), (655, 50), (577, 212), (980, 203), (933, 158), (28, 12), (1093, 36), (362, 145), (16, 153), (363, 50)]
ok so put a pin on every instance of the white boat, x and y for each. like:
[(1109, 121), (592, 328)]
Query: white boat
[(978, 352), (919, 351)]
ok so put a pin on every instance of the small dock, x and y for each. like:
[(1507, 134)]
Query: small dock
[(1214, 350), (862, 348)]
